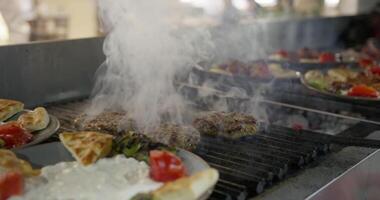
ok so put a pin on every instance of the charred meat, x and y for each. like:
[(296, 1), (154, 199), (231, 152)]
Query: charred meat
[(110, 122), (231, 125), (181, 136)]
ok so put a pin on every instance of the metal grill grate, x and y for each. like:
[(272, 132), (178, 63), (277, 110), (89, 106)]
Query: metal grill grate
[(247, 166)]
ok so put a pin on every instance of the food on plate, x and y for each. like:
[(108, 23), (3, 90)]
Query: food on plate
[(10, 163), (253, 69), (326, 57), (87, 147), (175, 135), (117, 177), (341, 74), (231, 125), (35, 120), (12, 135), (303, 55), (165, 166), (363, 91), (105, 122), (8, 108), (137, 146), (11, 184), (186, 188), (280, 72), (347, 82)]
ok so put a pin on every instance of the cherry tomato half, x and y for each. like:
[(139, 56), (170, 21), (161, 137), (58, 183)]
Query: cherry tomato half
[(14, 135), (326, 57), (11, 184), (165, 166), (375, 70), (365, 62), (363, 91)]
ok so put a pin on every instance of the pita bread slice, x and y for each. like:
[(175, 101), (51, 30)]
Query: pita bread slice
[(8, 108), (188, 188), (87, 147), (10, 162), (35, 120)]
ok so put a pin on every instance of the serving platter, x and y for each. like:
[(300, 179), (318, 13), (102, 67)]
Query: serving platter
[(342, 97), (41, 135), (52, 153)]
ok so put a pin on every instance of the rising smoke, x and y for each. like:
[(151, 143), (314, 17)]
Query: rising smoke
[(146, 48)]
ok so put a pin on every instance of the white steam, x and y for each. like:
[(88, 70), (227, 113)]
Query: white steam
[(146, 49)]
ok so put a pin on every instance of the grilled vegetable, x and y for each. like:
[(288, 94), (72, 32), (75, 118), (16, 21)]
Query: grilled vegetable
[(231, 125), (137, 146)]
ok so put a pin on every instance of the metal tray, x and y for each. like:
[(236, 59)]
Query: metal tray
[(53, 153), (41, 135)]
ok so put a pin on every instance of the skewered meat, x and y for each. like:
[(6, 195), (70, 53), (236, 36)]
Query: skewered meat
[(231, 125)]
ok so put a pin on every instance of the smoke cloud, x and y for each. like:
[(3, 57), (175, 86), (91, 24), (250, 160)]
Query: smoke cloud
[(146, 48)]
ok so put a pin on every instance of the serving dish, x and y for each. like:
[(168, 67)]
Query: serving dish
[(53, 153), (41, 135), (330, 94)]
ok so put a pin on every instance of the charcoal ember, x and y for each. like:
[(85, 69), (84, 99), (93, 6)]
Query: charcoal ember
[(181, 136), (231, 125), (109, 122)]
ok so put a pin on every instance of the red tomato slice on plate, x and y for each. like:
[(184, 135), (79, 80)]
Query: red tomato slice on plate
[(375, 70), (365, 62), (14, 135), (326, 57), (11, 184), (363, 91), (165, 166)]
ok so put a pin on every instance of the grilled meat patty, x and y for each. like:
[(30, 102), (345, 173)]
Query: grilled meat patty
[(231, 125), (118, 124), (182, 136), (109, 122)]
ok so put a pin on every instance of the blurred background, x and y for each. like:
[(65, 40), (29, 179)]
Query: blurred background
[(24, 21)]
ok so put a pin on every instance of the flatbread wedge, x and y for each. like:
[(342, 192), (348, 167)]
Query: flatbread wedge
[(87, 147), (186, 188), (8, 108), (35, 120), (10, 162)]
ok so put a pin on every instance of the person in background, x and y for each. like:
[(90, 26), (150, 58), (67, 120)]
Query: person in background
[(15, 13)]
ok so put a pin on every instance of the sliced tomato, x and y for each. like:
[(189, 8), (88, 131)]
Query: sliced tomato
[(13, 135), (363, 91), (282, 53), (11, 184), (375, 70), (365, 62), (326, 57), (165, 166)]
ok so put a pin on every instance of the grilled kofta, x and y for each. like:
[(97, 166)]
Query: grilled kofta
[(111, 122), (181, 136), (230, 125), (117, 123)]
